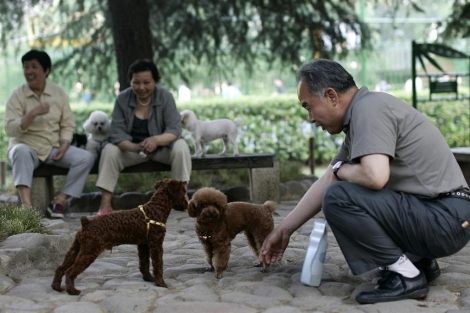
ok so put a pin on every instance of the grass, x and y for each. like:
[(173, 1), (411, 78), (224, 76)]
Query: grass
[(16, 220)]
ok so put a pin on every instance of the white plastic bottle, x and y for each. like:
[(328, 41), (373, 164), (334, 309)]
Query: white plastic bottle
[(315, 257)]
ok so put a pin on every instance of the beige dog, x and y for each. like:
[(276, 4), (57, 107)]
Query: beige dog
[(203, 132), (218, 222)]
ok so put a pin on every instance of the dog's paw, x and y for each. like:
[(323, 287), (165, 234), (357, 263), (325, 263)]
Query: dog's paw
[(73, 291), (148, 278), (161, 283), (218, 275), (57, 287), (210, 269)]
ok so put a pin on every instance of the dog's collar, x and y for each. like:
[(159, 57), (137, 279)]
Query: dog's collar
[(203, 236), (149, 221)]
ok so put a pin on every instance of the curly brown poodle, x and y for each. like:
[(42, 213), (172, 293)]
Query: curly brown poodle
[(143, 226), (218, 222)]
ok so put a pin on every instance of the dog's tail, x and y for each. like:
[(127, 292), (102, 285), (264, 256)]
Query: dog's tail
[(238, 121), (85, 221), (271, 205)]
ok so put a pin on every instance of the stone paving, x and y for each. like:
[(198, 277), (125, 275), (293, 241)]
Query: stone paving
[(113, 282)]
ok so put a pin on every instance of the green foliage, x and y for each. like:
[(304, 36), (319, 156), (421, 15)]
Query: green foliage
[(279, 125), (16, 220), (291, 170), (452, 121), (271, 124), (457, 23), (218, 36)]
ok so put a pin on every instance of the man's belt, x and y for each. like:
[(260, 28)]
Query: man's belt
[(461, 193)]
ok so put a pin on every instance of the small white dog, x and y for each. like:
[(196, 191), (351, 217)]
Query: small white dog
[(96, 127), (203, 132)]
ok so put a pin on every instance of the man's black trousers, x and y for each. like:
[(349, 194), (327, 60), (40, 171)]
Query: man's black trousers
[(374, 228)]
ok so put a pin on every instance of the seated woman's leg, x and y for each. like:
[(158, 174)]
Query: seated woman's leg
[(179, 157), (112, 161), (79, 162), (23, 160)]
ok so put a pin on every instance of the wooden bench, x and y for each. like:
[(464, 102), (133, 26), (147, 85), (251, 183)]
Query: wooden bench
[(462, 155), (264, 175)]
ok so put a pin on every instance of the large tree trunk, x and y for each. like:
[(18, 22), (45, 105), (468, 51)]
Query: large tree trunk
[(131, 32)]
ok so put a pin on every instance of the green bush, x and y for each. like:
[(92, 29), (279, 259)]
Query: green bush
[(280, 125), (15, 220), (271, 125)]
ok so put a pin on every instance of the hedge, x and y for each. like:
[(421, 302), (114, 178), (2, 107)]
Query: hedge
[(280, 125)]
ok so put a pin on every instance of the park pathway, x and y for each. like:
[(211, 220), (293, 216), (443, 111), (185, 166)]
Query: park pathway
[(113, 283)]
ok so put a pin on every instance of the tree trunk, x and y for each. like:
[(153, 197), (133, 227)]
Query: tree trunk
[(319, 47), (131, 33)]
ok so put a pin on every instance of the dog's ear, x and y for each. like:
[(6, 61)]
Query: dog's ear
[(175, 187), (223, 205), (184, 119), (192, 208), (88, 126), (221, 200), (160, 183)]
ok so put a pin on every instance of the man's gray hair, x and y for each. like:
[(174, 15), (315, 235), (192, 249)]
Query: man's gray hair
[(320, 74)]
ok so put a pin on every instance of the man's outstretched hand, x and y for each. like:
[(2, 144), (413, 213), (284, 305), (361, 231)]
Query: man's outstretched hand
[(274, 246)]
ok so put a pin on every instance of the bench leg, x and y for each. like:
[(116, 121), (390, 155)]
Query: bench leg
[(264, 184), (42, 191)]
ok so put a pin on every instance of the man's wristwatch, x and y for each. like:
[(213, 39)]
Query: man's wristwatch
[(336, 168)]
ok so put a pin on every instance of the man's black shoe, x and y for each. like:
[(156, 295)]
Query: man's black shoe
[(393, 286), (429, 267)]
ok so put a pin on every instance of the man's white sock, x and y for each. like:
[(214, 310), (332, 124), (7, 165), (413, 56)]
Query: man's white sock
[(405, 267)]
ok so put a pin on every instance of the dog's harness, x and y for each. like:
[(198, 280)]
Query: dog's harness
[(101, 142), (149, 221)]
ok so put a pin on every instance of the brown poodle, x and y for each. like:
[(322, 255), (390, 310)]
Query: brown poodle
[(143, 226), (218, 222)]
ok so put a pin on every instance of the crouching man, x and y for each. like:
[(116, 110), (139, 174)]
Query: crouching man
[(394, 193)]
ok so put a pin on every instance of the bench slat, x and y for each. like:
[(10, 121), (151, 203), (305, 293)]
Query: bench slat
[(211, 161), (461, 154)]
